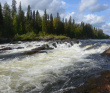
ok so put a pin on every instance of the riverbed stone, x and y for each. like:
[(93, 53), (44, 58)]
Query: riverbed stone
[(107, 52)]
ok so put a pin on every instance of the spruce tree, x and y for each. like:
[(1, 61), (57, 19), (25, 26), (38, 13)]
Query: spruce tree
[(38, 22), (13, 7), (44, 23), (7, 21), (51, 24)]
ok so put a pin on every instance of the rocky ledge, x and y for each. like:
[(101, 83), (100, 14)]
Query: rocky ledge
[(106, 53), (98, 84)]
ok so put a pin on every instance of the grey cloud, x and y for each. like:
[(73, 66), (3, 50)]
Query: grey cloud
[(99, 8), (92, 6), (52, 6), (106, 28), (86, 4)]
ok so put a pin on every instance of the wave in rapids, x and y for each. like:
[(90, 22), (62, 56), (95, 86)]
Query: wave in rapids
[(35, 72)]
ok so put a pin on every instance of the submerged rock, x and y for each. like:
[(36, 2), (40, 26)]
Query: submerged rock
[(107, 52)]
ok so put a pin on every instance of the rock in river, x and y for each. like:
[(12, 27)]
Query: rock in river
[(35, 50), (6, 48), (107, 52)]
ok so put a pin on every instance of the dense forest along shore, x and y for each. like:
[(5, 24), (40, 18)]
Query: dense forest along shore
[(17, 24)]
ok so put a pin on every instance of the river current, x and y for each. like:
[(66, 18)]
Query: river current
[(52, 71)]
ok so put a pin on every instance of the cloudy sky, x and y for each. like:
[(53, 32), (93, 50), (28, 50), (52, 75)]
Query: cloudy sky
[(95, 12)]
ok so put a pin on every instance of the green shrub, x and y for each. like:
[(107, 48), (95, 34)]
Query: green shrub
[(27, 36), (17, 37), (61, 37)]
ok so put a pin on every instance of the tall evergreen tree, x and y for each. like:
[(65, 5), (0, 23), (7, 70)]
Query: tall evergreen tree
[(28, 17), (38, 22), (33, 21), (13, 7), (44, 23), (51, 24), (1, 21), (7, 21), (21, 20), (28, 25), (1, 16)]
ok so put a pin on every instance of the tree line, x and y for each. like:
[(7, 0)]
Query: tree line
[(15, 21)]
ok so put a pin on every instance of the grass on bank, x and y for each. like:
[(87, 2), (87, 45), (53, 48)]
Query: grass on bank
[(33, 36)]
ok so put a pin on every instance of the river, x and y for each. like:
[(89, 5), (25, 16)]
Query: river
[(51, 71)]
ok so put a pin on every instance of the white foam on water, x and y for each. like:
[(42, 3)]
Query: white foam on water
[(35, 72), (25, 46)]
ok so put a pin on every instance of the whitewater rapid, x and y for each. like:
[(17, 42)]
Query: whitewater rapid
[(32, 73)]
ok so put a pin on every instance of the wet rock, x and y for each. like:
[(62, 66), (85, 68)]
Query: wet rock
[(37, 50), (19, 47), (97, 84), (29, 52), (54, 44), (59, 42), (6, 48), (33, 51), (47, 47), (29, 46), (71, 43), (75, 40), (107, 52)]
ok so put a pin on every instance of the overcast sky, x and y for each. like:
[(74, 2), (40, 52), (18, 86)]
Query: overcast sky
[(95, 12)]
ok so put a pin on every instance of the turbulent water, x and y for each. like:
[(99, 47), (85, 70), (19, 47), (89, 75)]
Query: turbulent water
[(53, 71)]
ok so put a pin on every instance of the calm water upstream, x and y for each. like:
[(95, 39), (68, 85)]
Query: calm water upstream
[(53, 71)]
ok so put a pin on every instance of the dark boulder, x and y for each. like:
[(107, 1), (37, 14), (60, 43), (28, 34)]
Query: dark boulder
[(54, 44), (19, 47), (107, 52)]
